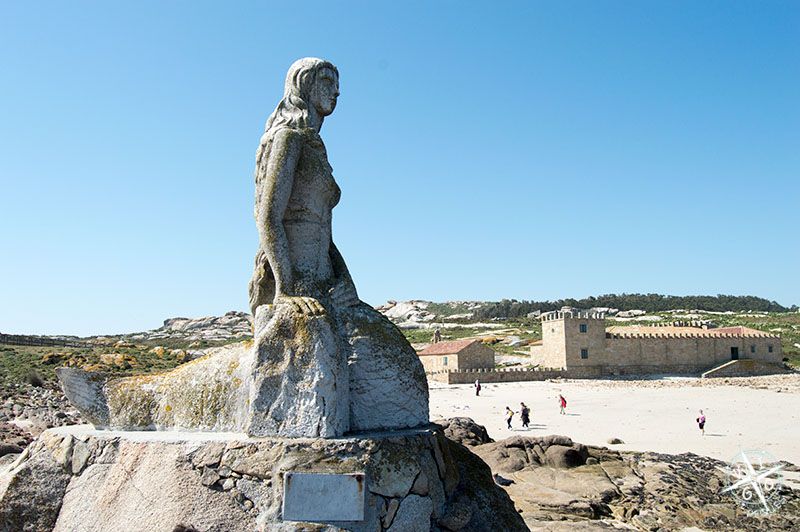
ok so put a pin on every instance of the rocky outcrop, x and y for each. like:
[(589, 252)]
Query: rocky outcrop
[(464, 431), (519, 452), (26, 411), (233, 325), (557, 484), (78, 478)]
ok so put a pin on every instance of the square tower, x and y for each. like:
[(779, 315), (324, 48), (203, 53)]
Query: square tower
[(572, 338)]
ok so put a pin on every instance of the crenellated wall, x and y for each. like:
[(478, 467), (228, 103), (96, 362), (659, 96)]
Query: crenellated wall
[(573, 340)]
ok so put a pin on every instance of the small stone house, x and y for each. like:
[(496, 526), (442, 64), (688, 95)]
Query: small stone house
[(456, 355)]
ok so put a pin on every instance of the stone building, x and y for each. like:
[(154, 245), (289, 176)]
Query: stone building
[(581, 341), (456, 355)]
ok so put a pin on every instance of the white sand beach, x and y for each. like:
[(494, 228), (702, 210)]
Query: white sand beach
[(658, 415)]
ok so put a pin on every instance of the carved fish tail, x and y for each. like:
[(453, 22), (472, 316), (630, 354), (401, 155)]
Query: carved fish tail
[(85, 390)]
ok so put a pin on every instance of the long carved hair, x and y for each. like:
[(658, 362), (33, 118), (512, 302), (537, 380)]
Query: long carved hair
[(292, 110)]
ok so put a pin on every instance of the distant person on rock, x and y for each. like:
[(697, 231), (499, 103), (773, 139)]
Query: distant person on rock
[(701, 422), (509, 416), (437, 336), (525, 415), (562, 403), (477, 387)]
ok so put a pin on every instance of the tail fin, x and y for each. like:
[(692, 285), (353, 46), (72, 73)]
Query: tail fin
[(85, 390)]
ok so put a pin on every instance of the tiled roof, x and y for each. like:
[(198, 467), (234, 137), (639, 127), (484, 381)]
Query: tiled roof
[(447, 348)]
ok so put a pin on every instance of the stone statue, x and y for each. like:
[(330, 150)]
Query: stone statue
[(323, 362), (297, 262)]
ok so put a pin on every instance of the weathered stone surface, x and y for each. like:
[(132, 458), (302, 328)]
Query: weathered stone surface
[(80, 456), (32, 489), (464, 431), (394, 468), (158, 480), (209, 393), (299, 376), (388, 388), (391, 511), (458, 515), (613, 490), (452, 473), (563, 456), (435, 485), (488, 507), (420, 486), (413, 515), (8, 448), (519, 452)]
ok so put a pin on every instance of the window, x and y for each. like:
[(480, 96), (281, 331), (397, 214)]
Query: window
[(444, 361), (752, 349), (584, 353), (583, 327), (769, 348)]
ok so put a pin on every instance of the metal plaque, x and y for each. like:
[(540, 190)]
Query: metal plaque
[(323, 497)]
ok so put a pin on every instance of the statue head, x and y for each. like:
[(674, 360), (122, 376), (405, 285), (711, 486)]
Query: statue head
[(311, 84)]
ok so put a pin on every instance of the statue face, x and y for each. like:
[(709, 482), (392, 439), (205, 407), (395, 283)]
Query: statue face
[(325, 92)]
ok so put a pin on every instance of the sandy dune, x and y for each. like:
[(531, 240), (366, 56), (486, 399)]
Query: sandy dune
[(647, 415)]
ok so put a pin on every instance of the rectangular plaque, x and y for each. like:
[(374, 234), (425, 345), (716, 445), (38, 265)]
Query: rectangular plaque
[(323, 497)]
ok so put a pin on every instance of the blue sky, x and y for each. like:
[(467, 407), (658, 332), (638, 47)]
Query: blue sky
[(529, 150)]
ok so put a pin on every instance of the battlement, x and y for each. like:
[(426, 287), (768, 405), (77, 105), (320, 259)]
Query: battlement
[(571, 314), (671, 331)]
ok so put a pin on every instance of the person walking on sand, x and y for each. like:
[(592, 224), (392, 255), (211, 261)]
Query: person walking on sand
[(509, 415), (701, 422), (477, 388), (525, 415), (562, 403)]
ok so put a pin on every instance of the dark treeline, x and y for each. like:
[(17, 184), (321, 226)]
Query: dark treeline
[(511, 308)]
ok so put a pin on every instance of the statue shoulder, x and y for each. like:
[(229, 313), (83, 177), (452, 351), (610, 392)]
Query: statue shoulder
[(285, 138), (283, 134)]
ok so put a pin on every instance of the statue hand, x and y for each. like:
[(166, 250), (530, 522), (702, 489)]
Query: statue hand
[(307, 306)]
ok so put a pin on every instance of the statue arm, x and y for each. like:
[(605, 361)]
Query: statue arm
[(278, 180)]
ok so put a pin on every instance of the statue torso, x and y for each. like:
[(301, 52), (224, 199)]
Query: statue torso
[(307, 219)]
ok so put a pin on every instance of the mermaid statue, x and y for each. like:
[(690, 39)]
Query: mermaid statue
[(322, 362)]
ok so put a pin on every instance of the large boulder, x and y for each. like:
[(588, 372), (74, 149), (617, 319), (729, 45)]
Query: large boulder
[(464, 431), (519, 452)]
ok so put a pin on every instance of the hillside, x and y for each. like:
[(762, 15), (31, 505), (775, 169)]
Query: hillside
[(30, 398), (181, 339)]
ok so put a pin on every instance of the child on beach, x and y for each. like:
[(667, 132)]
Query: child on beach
[(525, 415), (562, 403), (509, 415), (477, 387), (701, 422)]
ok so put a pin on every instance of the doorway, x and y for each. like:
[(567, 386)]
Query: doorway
[(734, 353)]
